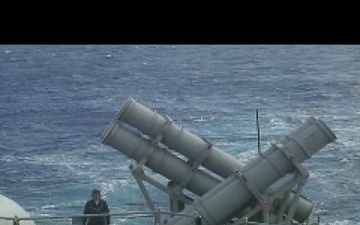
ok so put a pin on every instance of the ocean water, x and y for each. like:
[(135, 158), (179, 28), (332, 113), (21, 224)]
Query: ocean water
[(55, 102)]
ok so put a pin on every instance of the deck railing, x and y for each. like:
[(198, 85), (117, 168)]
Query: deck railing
[(157, 218), (77, 219)]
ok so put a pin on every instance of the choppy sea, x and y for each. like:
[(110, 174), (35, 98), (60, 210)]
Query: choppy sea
[(55, 102)]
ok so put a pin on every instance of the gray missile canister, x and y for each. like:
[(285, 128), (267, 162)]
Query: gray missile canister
[(232, 195), (190, 145), (159, 160)]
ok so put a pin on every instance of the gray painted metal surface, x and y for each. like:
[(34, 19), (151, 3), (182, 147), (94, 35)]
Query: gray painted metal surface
[(178, 139), (190, 145), (159, 160), (222, 202), (9, 208)]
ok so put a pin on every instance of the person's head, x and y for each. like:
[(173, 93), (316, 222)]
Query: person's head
[(95, 195)]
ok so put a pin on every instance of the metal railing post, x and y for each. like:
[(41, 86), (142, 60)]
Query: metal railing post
[(197, 218), (158, 216), (16, 221)]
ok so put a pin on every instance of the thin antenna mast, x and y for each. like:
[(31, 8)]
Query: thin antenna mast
[(258, 132)]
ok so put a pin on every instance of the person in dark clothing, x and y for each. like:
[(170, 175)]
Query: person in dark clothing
[(96, 206)]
